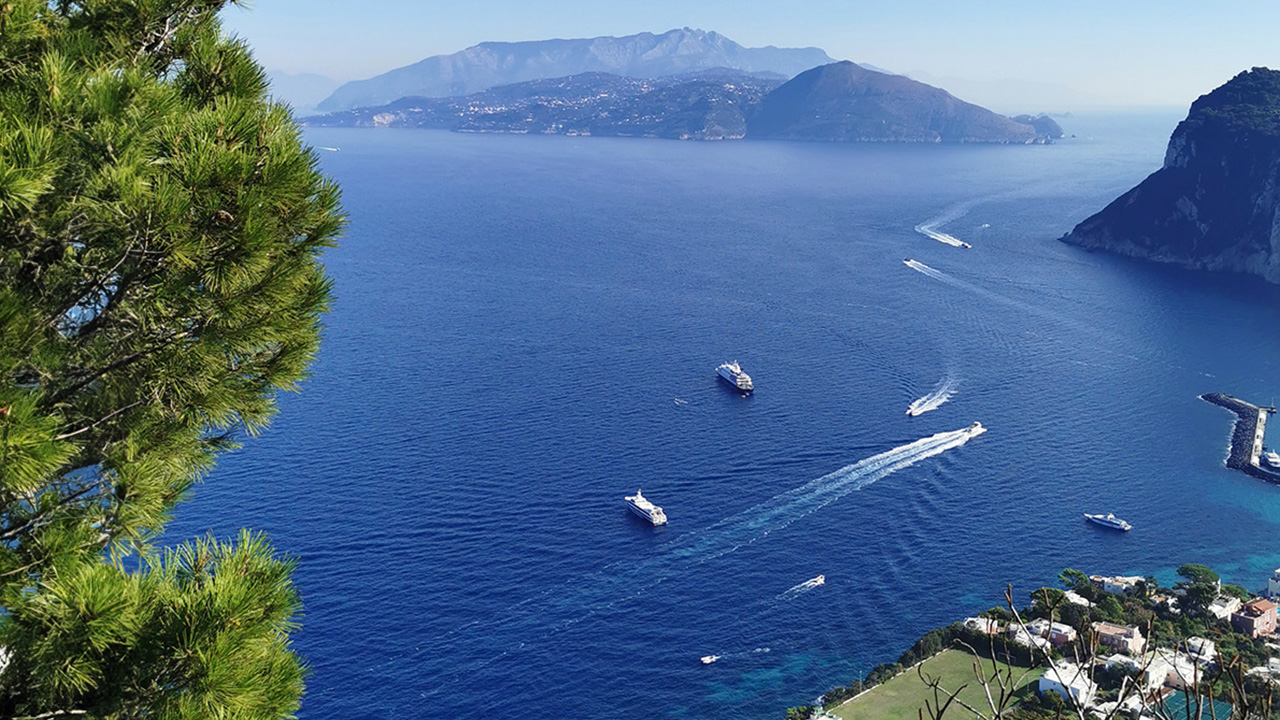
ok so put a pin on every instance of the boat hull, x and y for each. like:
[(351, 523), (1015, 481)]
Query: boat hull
[(641, 512), (742, 382), (1120, 525)]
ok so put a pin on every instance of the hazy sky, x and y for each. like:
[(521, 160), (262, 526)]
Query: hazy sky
[(1130, 52)]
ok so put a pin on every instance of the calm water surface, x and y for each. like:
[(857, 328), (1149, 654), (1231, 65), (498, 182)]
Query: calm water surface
[(526, 329)]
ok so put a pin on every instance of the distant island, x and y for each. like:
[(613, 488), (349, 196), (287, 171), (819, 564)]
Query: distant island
[(846, 102), (644, 55), (1214, 205), (709, 105), (835, 102)]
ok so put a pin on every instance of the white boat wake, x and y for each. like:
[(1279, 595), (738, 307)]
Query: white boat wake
[(802, 588), (934, 399), (485, 643), (929, 228), (931, 231)]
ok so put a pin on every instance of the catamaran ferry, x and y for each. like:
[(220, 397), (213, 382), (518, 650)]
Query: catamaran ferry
[(732, 372), (645, 509)]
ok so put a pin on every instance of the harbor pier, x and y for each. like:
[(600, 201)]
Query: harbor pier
[(1247, 437)]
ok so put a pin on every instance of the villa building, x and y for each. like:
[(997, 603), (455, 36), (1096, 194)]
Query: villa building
[(1056, 633), (1069, 680), (1200, 649), (1224, 606), (1117, 585), (1256, 618), (986, 626), (1120, 637)]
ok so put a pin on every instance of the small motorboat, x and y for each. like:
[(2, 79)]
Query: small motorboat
[(708, 659), (1110, 521)]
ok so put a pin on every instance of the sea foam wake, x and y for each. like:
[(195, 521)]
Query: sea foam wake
[(929, 228), (523, 624), (939, 395)]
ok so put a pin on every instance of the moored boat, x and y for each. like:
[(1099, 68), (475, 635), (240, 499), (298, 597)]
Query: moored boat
[(1272, 458), (1110, 521), (641, 506), (732, 372)]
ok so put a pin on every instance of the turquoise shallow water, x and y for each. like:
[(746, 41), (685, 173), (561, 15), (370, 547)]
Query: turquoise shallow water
[(516, 317)]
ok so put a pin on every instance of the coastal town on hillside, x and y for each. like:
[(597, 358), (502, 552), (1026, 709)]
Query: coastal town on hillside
[(1096, 655)]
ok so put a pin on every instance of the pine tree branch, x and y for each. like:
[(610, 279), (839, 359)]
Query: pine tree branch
[(101, 420)]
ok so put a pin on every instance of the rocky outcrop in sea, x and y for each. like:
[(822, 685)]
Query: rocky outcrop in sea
[(1215, 205)]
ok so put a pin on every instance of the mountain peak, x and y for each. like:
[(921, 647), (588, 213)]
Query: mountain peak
[(845, 101), (643, 55)]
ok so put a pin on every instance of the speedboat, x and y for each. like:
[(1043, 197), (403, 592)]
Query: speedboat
[(1110, 521), (820, 580), (708, 659)]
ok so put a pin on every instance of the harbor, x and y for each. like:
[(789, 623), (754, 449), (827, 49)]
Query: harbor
[(1247, 437)]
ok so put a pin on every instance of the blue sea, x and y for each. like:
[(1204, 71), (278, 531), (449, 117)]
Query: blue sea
[(526, 329)]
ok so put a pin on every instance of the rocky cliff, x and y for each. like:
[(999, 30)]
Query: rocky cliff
[(846, 102), (1215, 205)]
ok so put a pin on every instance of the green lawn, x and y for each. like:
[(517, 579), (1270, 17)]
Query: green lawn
[(901, 697)]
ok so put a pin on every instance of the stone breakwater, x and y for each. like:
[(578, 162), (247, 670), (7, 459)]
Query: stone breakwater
[(1246, 436)]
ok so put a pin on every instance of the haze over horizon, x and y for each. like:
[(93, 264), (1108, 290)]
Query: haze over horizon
[(1141, 53)]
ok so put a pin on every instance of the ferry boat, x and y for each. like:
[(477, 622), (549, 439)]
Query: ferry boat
[(1110, 521), (732, 372), (1272, 458), (708, 659), (645, 509)]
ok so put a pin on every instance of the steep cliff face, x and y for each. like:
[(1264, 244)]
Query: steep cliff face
[(1215, 205)]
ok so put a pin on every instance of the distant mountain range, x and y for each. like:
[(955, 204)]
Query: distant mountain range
[(645, 55), (834, 102)]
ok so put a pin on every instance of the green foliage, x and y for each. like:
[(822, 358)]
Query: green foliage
[(1045, 601), (801, 712), (1249, 102), (1198, 598), (1195, 573), (1073, 579), (160, 228), (1236, 591)]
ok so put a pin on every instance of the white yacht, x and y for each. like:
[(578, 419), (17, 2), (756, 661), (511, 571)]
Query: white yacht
[(732, 372), (708, 659), (645, 509), (1110, 521), (1272, 458)]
